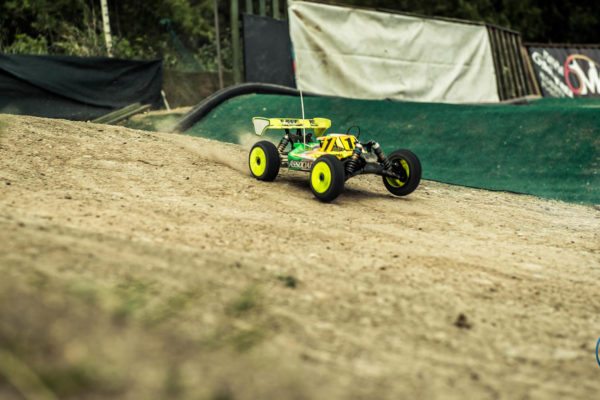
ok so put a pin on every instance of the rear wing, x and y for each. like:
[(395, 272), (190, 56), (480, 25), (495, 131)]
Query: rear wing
[(318, 125)]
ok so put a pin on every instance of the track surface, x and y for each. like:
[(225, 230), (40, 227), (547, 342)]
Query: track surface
[(158, 261)]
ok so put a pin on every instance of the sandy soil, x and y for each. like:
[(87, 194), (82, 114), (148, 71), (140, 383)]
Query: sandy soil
[(148, 265)]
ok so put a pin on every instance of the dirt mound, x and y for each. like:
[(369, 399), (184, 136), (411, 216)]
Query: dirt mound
[(148, 265)]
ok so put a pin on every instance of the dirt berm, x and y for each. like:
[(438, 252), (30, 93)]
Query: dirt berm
[(148, 266)]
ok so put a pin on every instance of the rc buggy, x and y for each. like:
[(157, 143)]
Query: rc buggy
[(330, 159)]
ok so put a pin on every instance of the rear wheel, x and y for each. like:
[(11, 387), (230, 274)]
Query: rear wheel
[(327, 178), (407, 165), (264, 161)]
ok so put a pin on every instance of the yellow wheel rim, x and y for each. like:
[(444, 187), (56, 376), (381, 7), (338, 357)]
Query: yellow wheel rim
[(320, 177), (258, 161), (397, 182)]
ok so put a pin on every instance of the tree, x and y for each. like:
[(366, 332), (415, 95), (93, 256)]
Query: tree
[(171, 29), (558, 21)]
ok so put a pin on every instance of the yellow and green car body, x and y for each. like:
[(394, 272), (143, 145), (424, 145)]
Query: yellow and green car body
[(302, 155), (331, 158)]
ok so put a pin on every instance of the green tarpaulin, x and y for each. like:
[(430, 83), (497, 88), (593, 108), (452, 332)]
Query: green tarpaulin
[(77, 88)]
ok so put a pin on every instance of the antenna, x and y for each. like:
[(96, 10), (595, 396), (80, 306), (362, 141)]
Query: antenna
[(303, 122)]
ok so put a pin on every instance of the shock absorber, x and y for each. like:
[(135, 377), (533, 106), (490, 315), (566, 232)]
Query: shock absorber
[(284, 141), (382, 158), (352, 163)]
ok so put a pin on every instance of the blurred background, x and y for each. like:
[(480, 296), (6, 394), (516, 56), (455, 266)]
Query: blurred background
[(183, 33)]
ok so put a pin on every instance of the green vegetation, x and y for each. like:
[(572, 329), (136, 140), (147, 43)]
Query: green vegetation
[(170, 307), (132, 296), (38, 357), (558, 21), (247, 301), (180, 31), (288, 280), (68, 338)]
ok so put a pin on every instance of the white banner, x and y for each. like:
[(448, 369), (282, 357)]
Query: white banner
[(365, 54)]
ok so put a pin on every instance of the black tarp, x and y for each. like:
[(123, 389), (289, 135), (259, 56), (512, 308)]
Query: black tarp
[(267, 51), (567, 71), (77, 88)]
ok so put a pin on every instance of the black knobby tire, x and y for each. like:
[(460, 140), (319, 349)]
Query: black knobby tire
[(408, 165), (264, 161), (327, 178)]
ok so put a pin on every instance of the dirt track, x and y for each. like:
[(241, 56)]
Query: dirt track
[(157, 260)]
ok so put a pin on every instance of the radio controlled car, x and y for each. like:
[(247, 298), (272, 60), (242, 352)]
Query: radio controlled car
[(330, 159)]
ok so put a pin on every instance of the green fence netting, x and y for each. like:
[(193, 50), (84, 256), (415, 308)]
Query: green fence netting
[(549, 148)]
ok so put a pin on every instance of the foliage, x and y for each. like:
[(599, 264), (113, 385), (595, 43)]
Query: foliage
[(288, 280), (24, 44), (561, 21), (175, 30), (57, 27)]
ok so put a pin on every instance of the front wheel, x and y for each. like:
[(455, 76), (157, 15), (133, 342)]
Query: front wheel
[(264, 161), (407, 165), (327, 178)]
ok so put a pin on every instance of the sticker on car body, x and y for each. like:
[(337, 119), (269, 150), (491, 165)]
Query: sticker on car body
[(301, 164)]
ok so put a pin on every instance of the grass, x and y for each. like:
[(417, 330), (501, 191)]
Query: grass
[(123, 329), (74, 380), (78, 337), (19, 375), (132, 295), (288, 280), (170, 307), (48, 334), (246, 302)]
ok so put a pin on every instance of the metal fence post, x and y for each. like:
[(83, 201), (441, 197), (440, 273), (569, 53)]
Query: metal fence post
[(262, 8), (218, 39), (106, 25), (235, 41)]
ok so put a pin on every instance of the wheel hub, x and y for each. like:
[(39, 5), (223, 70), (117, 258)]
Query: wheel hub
[(400, 171)]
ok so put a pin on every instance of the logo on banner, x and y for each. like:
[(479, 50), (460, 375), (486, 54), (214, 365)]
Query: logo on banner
[(551, 74), (581, 74), (578, 75)]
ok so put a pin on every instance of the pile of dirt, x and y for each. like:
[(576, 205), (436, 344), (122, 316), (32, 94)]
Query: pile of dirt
[(149, 265)]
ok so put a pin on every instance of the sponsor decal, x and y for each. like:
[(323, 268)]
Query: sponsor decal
[(567, 72), (290, 122), (337, 143), (581, 74), (296, 122), (302, 165)]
